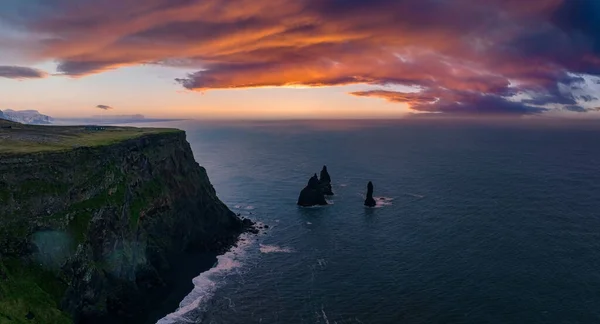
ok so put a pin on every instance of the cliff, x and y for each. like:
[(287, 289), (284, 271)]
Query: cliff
[(87, 234)]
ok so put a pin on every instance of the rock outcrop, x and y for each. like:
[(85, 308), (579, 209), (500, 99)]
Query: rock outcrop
[(370, 201), (325, 181), (312, 194), (87, 235)]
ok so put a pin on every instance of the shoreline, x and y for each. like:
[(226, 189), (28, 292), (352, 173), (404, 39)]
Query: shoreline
[(187, 267), (191, 265)]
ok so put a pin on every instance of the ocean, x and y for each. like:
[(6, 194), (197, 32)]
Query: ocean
[(477, 222)]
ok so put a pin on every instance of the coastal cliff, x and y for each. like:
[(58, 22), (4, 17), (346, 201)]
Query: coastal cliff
[(87, 234)]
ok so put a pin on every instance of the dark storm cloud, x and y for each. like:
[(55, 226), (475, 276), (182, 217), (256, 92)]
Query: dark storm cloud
[(21, 72), (575, 108), (509, 56), (457, 102)]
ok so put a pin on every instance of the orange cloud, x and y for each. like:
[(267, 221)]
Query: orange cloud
[(451, 49)]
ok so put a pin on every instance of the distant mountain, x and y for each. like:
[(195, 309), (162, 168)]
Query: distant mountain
[(26, 117), (2, 115)]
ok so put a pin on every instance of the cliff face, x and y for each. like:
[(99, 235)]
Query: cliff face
[(91, 231)]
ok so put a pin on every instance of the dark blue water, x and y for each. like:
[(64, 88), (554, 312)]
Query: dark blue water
[(484, 223)]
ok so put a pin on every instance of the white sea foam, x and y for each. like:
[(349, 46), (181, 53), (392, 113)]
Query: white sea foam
[(274, 249), (383, 201), (324, 315), (207, 283), (245, 207), (308, 223)]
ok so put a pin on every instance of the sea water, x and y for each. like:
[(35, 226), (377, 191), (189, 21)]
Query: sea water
[(476, 222)]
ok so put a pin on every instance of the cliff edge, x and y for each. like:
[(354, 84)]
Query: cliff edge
[(87, 232)]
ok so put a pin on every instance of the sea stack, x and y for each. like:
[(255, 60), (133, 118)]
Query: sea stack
[(312, 194), (325, 181), (370, 202)]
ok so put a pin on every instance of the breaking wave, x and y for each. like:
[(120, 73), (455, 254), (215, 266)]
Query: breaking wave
[(207, 283)]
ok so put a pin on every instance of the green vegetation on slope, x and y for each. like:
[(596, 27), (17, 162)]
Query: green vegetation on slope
[(19, 138), (149, 191), (29, 294)]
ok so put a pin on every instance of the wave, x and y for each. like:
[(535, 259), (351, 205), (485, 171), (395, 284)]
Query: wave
[(207, 282), (383, 201), (274, 249)]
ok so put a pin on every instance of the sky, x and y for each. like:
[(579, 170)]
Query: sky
[(301, 58)]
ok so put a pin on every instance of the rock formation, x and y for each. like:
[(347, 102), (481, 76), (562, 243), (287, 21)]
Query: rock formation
[(325, 181), (93, 232), (369, 201), (312, 194)]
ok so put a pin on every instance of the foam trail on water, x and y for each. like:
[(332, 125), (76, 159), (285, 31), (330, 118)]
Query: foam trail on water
[(274, 249), (383, 201), (206, 283)]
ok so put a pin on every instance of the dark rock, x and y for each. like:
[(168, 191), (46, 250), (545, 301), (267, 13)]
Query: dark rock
[(266, 226), (325, 181), (312, 194), (247, 223), (369, 201)]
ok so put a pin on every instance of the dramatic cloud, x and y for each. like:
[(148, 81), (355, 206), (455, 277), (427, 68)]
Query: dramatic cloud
[(104, 107), (21, 72), (498, 56)]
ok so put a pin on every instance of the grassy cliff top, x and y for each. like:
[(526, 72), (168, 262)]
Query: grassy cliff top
[(18, 138)]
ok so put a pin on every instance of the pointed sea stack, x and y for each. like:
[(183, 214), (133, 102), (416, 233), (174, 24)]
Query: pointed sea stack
[(325, 181), (312, 194), (370, 202)]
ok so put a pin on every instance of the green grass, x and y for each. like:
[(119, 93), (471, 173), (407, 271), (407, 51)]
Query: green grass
[(78, 227), (149, 191), (26, 288), (29, 138)]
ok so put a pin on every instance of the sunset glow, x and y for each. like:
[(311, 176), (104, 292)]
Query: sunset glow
[(300, 59)]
